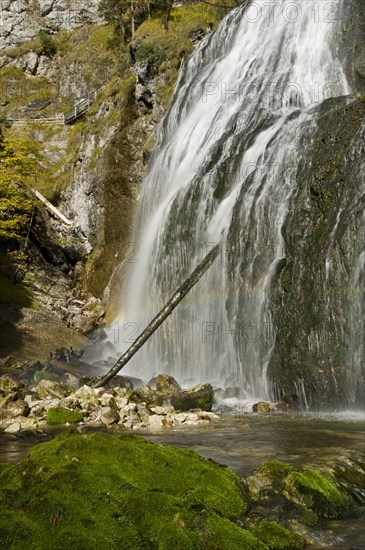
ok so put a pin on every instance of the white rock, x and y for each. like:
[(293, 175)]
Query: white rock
[(180, 417), (143, 412), (13, 428), (51, 404), (155, 422), (105, 399), (203, 415), (28, 423), (85, 391), (162, 410), (109, 416), (31, 400), (192, 417), (121, 402)]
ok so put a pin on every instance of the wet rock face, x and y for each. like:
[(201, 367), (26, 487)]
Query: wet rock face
[(22, 20), (352, 43), (312, 297)]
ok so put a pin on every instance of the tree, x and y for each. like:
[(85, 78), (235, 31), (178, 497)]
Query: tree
[(19, 160), (127, 15)]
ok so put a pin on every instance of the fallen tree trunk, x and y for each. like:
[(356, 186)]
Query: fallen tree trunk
[(162, 315)]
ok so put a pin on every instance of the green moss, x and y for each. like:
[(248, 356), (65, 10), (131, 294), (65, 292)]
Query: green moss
[(303, 495), (277, 537), (45, 375), (119, 491), (320, 493), (199, 397), (56, 417), (275, 469), (309, 518), (223, 534)]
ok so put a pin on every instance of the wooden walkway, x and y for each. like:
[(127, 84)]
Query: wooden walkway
[(69, 117)]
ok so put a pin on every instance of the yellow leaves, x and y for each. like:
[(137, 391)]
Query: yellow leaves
[(19, 162), (20, 157)]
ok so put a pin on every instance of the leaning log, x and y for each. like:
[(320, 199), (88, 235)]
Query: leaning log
[(162, 315)]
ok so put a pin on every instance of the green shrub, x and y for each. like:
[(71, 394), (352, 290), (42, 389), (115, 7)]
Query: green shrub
[(151, 53), (48, 44)]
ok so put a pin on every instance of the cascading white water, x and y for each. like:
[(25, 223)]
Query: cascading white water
[(224, 170)]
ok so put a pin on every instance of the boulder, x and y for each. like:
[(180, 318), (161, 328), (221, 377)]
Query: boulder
[(47, 388), (108, 400), (131, 421), (180, 417), (192, 419), (16, 408), (143, 412), (301, 494), (281, 407), (121, 402), (13, 428), (9, 383), (145, 394), (198, 397), (28, 423), (122, 492), (4, 400), (261, 407), (162, 410), (166, 384), (109, 416)]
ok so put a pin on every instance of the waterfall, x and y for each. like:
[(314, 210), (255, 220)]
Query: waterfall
[(224, 170)]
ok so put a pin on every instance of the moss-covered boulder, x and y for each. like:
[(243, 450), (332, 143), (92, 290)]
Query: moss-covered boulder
[(277, 537), (120, 491), (300, 494), (198, 397), (166, 384), (56, 417), (147, 395), (262, 407)]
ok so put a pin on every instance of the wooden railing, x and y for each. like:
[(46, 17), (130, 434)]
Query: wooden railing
[(79, 109), (58, 119), (67, 118)]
